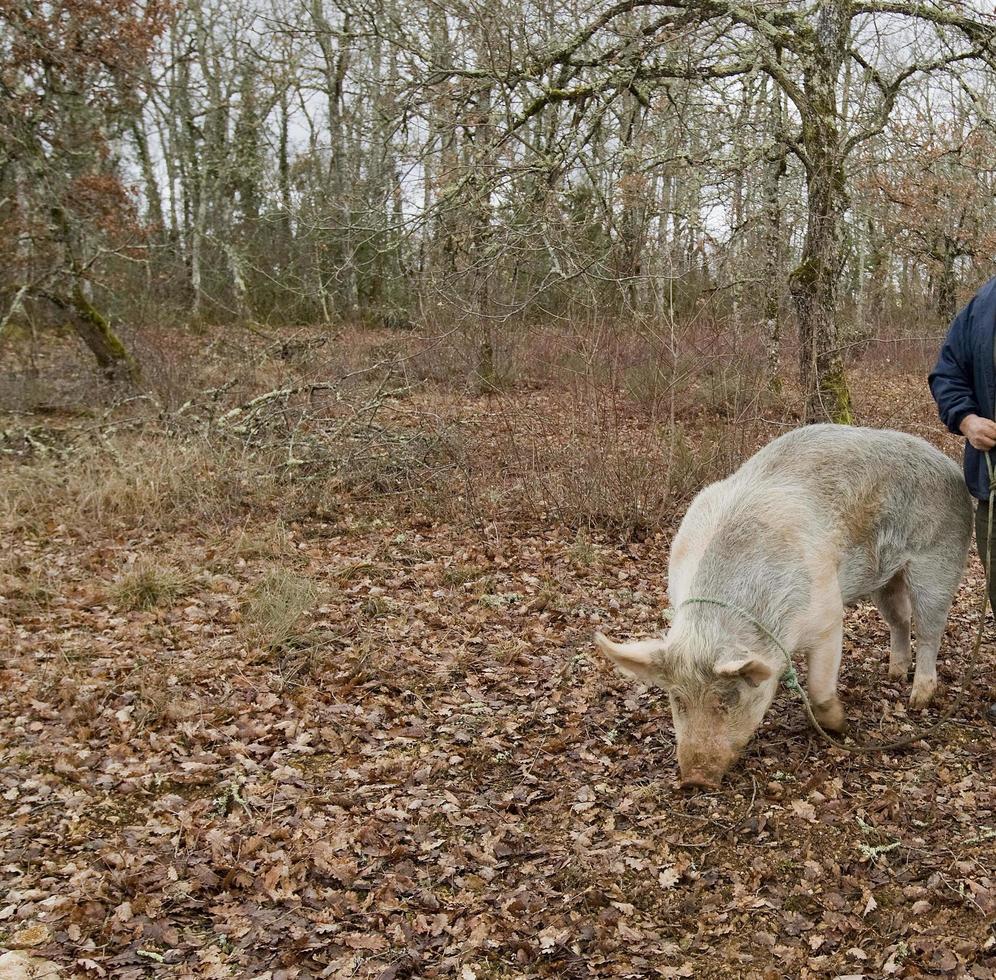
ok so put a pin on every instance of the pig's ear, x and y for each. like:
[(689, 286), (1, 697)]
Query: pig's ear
[(642, 659), (746, 666)]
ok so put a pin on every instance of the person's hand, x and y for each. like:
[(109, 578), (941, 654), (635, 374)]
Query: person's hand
[(980, 432)]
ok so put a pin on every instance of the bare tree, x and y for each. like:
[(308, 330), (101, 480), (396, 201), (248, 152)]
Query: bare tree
[(63, 100), (804, 49)]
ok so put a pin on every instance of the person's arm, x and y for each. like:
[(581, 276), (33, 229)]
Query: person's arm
[(951, 384)]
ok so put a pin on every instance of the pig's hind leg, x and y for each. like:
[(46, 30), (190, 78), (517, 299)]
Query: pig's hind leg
[(932, 585), (893, 602)]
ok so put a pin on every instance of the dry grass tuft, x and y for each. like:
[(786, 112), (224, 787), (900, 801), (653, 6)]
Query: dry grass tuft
[(274, 610), (27, 592), (148, 585)]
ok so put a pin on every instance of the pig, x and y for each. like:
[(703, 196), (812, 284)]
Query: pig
[(821, 517)]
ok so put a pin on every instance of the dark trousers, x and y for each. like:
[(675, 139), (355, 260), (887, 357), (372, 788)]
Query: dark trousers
[(981, 527)]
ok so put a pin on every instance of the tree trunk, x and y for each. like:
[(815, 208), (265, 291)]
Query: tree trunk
[(91, 325), (236, 266), (738, 211), (196, 250), (95, 331), (946, 291), (153, 199), (774, 167), (814, 283), (877, 265), (814, 289), (335, 64), (631, 223), (860, 266), (283, 175), (482, 270), (774, 170)]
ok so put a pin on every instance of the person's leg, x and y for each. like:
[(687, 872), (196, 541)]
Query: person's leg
[(981, 530)]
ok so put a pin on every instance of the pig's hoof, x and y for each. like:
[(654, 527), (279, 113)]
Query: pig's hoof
[(898, 671), (830, 715), (923, 692)]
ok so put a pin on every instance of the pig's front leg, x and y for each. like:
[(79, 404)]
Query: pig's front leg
[(825, 651)]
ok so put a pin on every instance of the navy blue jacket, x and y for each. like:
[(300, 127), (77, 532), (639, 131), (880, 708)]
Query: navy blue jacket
[(963, 381)]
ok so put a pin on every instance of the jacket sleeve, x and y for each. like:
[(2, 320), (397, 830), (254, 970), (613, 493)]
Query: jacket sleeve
[(951, 381)]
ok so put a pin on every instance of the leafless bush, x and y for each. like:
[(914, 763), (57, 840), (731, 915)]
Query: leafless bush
[(606, 439)]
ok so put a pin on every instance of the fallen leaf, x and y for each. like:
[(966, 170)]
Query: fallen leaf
[(32, 935)]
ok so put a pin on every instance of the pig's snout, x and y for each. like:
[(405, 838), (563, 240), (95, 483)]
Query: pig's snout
[(704, 770), (699, 780)]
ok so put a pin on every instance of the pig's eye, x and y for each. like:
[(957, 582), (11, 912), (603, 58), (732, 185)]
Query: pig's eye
[(728, 699), (680, 704)]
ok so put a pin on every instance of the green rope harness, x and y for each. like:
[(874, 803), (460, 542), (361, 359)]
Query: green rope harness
[(789, 677), (791, 680)]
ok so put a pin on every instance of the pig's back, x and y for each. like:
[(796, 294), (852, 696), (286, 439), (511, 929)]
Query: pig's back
[(878, 497), (847, 468), (860, 501)]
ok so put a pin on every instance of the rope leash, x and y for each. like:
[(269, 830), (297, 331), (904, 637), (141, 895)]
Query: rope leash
[(791, 679)]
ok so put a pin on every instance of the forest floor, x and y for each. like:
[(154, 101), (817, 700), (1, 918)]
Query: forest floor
[(266, 714)]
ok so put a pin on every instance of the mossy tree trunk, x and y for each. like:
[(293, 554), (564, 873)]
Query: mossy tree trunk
[(813, 284), (93, 328), (95, 331)]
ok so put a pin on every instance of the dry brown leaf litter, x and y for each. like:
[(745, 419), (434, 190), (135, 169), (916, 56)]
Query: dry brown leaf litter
[(453, 784), (429, 773)]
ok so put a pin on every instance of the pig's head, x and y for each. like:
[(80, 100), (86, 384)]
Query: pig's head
[(717, 700)]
